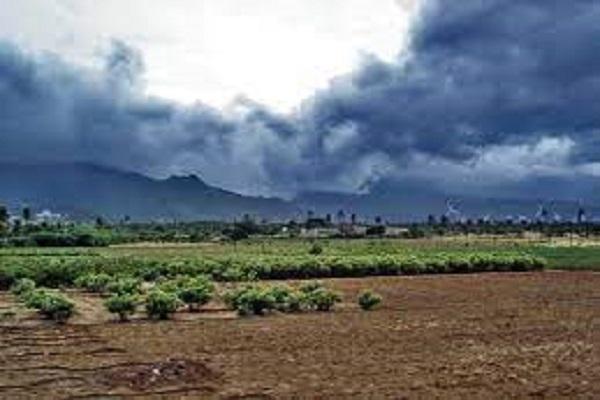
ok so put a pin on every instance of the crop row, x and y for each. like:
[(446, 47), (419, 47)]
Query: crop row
[(63, 271)]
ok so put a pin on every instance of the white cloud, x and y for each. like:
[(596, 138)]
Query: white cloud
[(549, 156), (275, 51)]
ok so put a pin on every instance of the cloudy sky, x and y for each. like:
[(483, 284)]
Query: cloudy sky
[(280, 96)]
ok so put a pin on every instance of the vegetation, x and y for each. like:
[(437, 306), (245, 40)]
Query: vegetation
[(368, 300), (251, 299), (161, 305), (287, 299), (89, 270), (51, 305), (195, 292), (317, 297), (258, 299), (100, 233), (124, 286), (315, 250), (124, 305), (94, 283), (23, 287)]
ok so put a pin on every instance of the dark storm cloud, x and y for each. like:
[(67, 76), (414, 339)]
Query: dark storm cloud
[(484, 84), (480, 73), (54, 111)]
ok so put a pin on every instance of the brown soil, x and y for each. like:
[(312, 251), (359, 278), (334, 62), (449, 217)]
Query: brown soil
[(452, 337)]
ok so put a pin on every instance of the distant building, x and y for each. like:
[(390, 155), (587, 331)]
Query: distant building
[(321, 232), (393, 231), (48, 217)]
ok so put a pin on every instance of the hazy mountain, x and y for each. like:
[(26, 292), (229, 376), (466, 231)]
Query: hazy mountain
[(84, 190), (412, 200)]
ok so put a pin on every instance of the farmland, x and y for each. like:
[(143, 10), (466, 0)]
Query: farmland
[(457, 320)]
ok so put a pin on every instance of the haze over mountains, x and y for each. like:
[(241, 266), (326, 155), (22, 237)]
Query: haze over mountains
[(84, 191)]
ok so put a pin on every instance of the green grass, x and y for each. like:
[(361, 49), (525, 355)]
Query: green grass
[(570, 258)]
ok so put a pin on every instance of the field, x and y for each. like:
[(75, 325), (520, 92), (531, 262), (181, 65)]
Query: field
[(463, 335)]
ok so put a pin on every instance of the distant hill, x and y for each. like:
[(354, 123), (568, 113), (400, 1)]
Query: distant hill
[(85, 190)]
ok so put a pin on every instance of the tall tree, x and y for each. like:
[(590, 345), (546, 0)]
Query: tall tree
[(3, 219), (3, 214), (26, 214)]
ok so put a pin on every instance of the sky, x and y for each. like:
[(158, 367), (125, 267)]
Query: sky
[(276, 97), (276, 52)]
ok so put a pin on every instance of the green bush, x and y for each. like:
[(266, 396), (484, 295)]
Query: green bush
[(315, 250), (35, 298), (161, 305), (311, 286), (54, 306), (251, 299), (286, 299), (94, 283), (321, 299), (57, 269), (23, 287), (123, 286), (123, 305), (196, 292), (368, 300)]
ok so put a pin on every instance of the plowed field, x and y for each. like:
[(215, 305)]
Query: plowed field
[(534, 335)]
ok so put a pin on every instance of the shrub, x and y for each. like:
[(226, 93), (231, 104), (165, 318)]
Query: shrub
[(311, 286), (315, 250), (161, 305), (57, 307), (124, 286), (23, 287), (293, 303), (321, 299), (94, 283), (123, 305), (35, 298), (54, 274), (251, 299), (286, 299), (51, 305), (173, 285), (368, 300), (196, 292)]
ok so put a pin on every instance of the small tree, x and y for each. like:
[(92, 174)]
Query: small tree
[(251, 299), (3, 219), (26, 214), (57, 307), (3, 214), (22, 288), (125, 286), (315, 250), (196, 292), (317, 297), (94, 283), (123, 305), (51, 305), (322, 299), (286, 299), (161, 305)]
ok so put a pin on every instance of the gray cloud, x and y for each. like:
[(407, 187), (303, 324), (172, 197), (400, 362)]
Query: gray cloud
[(485, 83)]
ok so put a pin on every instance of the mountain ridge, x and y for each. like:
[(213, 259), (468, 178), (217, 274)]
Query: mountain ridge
[(84, 191)]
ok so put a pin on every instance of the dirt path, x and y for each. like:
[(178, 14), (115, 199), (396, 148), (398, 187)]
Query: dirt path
[(453, 337)]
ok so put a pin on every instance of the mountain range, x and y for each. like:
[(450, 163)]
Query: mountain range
[(84, 191)]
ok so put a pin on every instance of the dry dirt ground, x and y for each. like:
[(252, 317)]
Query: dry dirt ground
[(494, 336)]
